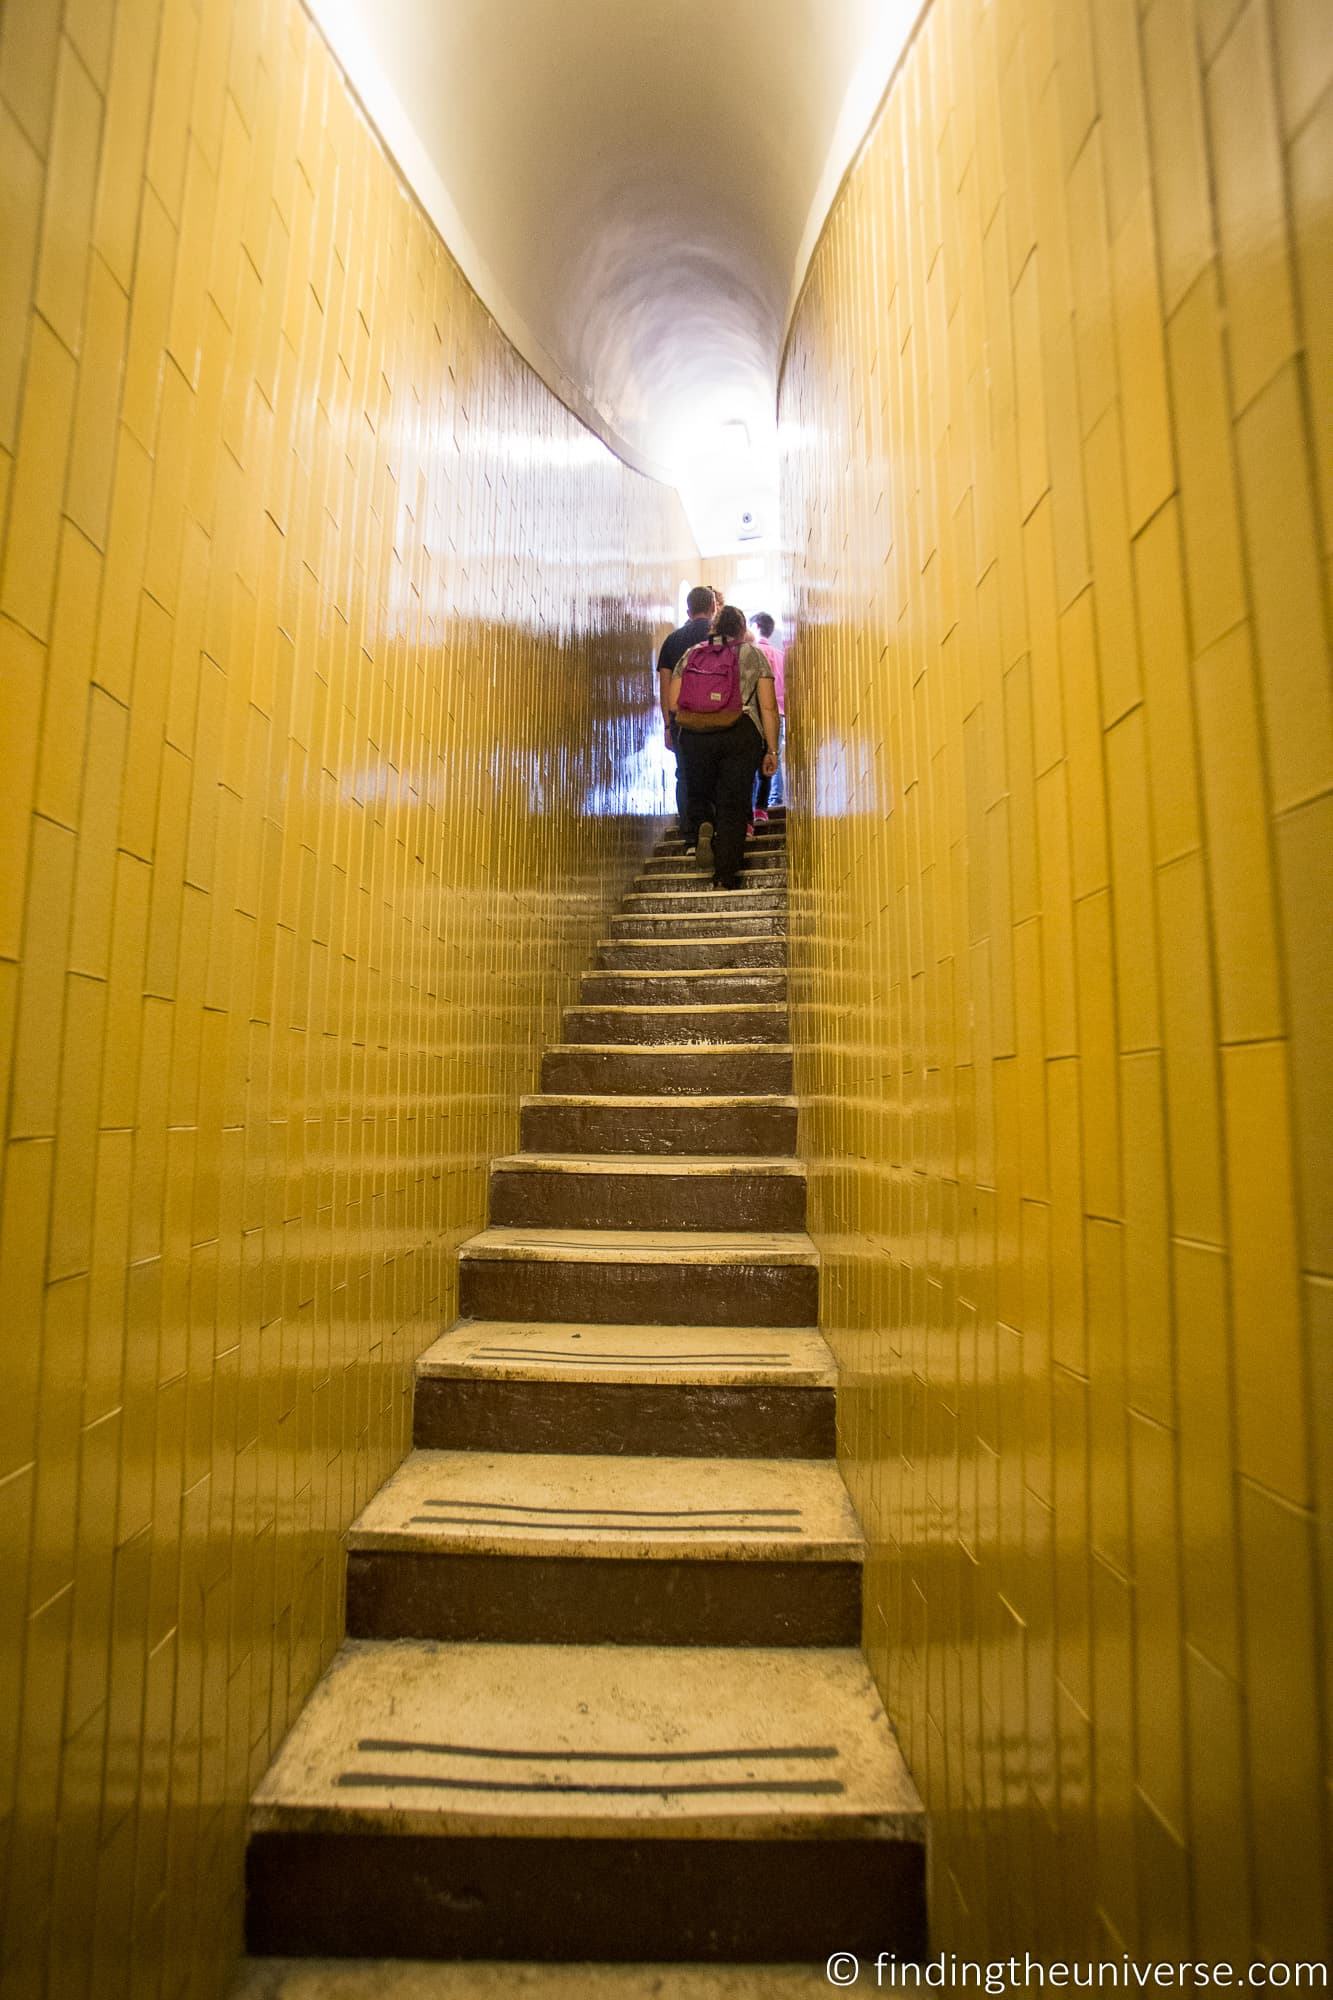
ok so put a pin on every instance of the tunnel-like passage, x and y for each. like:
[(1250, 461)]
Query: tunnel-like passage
[(371, 383)]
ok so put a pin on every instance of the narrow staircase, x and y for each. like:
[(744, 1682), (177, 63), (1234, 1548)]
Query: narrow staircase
[(602, 1697)]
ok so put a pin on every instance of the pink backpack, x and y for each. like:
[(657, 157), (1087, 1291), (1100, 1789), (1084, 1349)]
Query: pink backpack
[(710, 686)]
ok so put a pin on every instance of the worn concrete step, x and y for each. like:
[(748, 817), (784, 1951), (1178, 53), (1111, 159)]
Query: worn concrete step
[(677, 1391), (686, 954), (764, 865), (575, 1803), (660, 1070), (638, 1191), (614, 1122), (724, 1022), (770, 850), (771, 842), (703, 901), (687, 873), (419, 1979), (731, 1278), (711, 923), (690, 879), (551, 1548), (681, 989)]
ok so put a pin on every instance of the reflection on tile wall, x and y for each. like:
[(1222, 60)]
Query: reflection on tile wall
[(1057, 423), (324, 643)]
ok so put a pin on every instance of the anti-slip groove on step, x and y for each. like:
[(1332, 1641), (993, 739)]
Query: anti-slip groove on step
[(569, 1507), (529, 1350)]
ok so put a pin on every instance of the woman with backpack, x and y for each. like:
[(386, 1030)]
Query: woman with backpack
[(726, 713)]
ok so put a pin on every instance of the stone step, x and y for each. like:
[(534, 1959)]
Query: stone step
[(709, 923), (549, 1548), (731, 1278), (570, 1803), (732, 1068), (764, 848), (684, 954), (770, 842), (418, 1979), (612, 1122), (725, 1022), (693, 881), (688, 875), (758, 866), (634, 1191), (679, 1391), (681, 989), (705, 902)]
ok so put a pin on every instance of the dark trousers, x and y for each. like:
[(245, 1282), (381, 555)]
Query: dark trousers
[(682, 795), (673, 745), (719, 774)]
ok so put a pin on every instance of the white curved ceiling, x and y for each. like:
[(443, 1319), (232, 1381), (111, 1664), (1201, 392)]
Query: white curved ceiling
[(628, 183)]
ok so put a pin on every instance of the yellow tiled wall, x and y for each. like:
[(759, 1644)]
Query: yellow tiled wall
[(325, 639), (1057, 417)]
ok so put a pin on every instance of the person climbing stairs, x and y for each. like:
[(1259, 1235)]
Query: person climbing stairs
[(602, 1696)]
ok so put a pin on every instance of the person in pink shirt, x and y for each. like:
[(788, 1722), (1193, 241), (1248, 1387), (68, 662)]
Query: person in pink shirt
[(763, 628)]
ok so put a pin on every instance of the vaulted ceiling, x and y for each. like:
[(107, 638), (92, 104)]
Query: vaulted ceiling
[(630, 184)]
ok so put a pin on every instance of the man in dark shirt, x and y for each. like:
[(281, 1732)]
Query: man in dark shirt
[(675, 646)]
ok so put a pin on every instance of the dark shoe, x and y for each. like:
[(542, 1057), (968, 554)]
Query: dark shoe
[(706, 844)]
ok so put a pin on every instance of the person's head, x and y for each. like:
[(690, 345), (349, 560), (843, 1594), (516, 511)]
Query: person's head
[(718, 599), (699, 603), (763, 624), (729, 623)]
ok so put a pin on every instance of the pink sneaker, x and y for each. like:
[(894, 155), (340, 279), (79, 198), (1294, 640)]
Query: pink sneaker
[(760, 818), (749, 829)]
